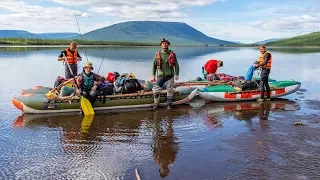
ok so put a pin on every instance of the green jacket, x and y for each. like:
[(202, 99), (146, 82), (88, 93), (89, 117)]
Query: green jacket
[(165, 70)]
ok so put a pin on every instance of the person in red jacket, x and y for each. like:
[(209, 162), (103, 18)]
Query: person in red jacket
[(211, 67)]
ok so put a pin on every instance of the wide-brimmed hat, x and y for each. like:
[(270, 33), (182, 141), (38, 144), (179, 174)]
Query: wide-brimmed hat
[(164, 40), (88, 64)]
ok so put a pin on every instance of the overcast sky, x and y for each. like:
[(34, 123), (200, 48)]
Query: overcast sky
[(233, 20)]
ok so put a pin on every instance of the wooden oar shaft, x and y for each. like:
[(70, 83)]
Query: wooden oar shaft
[(62, 84)]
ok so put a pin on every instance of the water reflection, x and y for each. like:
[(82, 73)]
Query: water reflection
[(86, 122), (244, 111), (144, 134), (265, 108), (164, 144)]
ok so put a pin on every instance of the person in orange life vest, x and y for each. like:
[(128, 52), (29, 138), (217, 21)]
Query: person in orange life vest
[(72, 56), (210, 68), (165, 64), (265, 61)]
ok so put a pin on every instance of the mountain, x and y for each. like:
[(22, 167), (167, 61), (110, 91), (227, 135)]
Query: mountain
[(153, 31), (312, 39), (267, 41), (238, 42), (26, 34)]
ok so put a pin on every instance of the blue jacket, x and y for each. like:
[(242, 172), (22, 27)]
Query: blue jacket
[(250, 72)]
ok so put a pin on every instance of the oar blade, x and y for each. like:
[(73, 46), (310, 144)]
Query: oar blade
[(86, 122), (86, 106)]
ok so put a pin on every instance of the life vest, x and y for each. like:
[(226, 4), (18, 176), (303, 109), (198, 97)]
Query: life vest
[(171, 60), (87, 81), (261, 60), (72, 58)]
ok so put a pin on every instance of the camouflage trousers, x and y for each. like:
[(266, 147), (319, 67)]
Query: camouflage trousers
[(158, 87)]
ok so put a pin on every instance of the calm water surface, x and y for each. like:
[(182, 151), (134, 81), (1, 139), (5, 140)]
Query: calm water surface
[(197, 141)]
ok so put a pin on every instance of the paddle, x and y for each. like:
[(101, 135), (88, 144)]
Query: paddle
[(84, 102), (51, 92)]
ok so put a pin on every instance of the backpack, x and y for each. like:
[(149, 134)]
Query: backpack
[(131, 86), (250, 85), (106, 90)]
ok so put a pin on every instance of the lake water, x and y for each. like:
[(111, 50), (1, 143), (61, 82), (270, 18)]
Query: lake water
[(196, 141)]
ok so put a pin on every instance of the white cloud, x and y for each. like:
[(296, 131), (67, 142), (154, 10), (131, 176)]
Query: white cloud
[(303, 23), (38, 18), (237, 31), (140, 9), (298, 10)]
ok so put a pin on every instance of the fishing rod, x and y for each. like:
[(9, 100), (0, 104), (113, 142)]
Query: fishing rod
[(105, 52), (79, 29), (82, 39)]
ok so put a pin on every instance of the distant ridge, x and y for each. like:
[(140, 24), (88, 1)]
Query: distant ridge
[(312, 39), (178, 33), (26, 34), (267, 41)]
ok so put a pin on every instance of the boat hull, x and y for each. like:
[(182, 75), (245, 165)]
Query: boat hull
[(39, 104), (247, 95)]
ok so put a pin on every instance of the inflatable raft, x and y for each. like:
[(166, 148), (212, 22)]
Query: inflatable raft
[(222, 93), (146, 84), (39, 103)]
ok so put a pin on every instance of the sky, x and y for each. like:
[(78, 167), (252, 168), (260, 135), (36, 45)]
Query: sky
[(244, 21)]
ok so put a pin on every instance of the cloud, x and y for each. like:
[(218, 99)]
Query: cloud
[(140, 9), (303, 23), (38, 18), (237, 31), (257, 22), (307, 10)]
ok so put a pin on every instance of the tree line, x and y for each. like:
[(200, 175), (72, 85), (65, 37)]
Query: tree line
[(38, 41)]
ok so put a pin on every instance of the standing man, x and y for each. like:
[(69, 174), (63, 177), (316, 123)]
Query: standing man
[(70, 56), (211, 67), (265, 62), (165, 64)]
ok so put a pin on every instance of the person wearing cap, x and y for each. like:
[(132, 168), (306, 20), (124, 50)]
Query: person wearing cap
[(210, 68), (86, 82), (70, 56), (166, 66)]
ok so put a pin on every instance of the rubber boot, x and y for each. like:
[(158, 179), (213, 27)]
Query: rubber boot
[(81, 112), (156, 101), (169, 102)]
